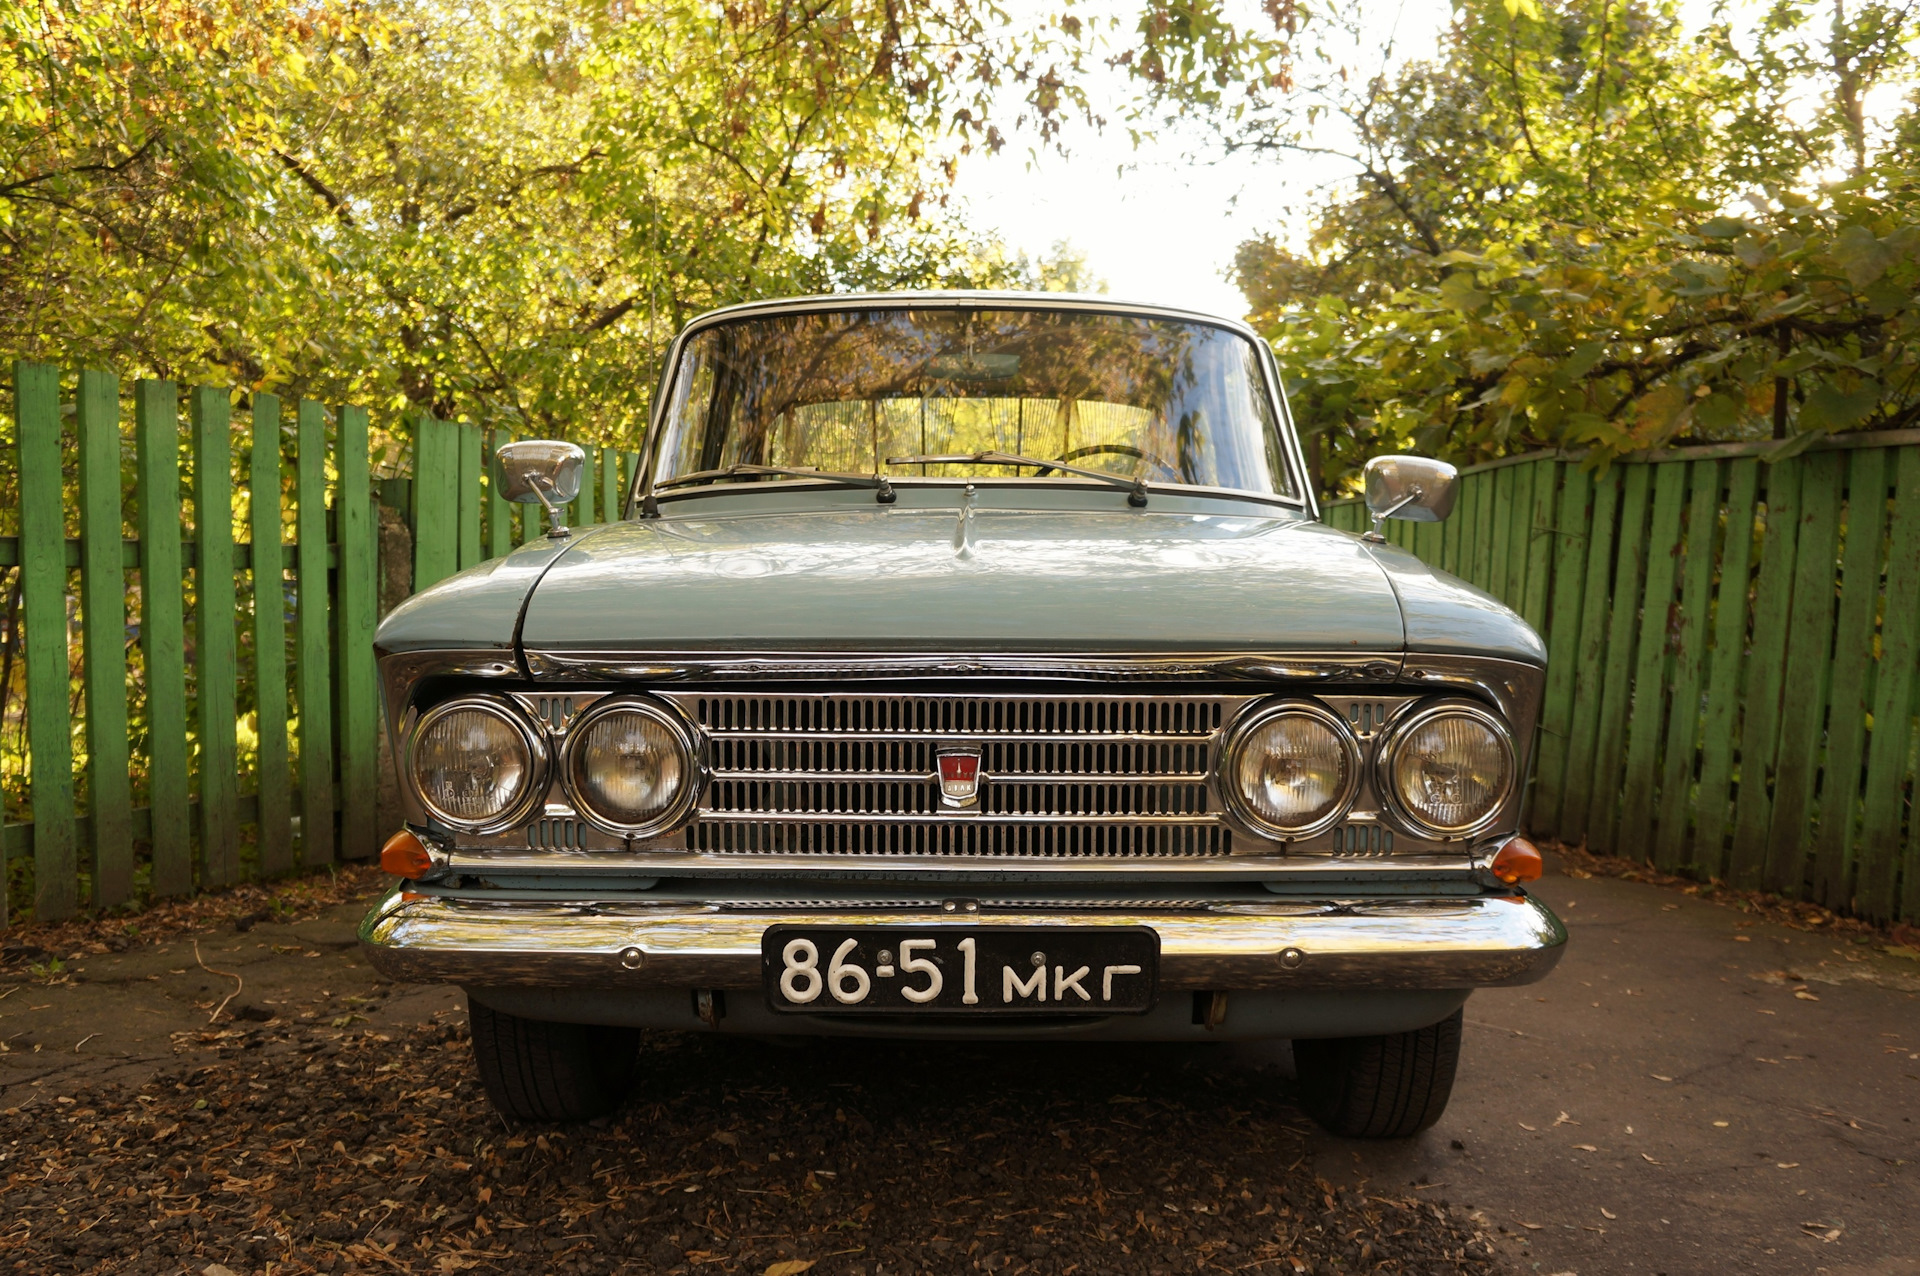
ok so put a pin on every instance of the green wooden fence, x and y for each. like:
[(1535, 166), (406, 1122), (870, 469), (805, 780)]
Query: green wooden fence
[(217, 717), (1733, 643), (1732, 650)]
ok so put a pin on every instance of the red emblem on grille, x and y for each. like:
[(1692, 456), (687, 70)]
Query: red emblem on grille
[(959, 774)]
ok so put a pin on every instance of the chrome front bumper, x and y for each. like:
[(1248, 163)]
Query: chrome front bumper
[(1385, 944)]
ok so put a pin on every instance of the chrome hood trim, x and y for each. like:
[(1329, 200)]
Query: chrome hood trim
[(769, 666)]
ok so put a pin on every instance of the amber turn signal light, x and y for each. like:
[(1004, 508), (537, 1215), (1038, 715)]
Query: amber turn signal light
[(1518, 861), (405, 855)]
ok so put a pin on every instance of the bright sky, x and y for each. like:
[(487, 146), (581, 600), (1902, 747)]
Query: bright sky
[(1160, 224)]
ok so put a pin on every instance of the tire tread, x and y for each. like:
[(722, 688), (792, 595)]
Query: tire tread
[(534, 1070), (1386, 1087)]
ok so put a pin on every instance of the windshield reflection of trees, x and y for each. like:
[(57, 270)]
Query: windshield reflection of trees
[(845, 390)]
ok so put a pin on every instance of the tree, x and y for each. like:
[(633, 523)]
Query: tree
[(1583, 226), (497, 209)]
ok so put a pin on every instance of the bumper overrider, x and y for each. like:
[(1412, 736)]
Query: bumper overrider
[(1397, 944)]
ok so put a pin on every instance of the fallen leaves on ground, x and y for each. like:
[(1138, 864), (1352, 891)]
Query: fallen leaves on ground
[(315, 1149), (290, 899), (1578, 861)]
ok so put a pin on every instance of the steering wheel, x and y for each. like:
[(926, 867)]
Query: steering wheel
[(1167, 471)]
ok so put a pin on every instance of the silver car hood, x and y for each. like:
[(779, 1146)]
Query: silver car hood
[(985, 580)]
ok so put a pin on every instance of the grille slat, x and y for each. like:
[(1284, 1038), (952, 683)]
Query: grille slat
[(1120, 777)]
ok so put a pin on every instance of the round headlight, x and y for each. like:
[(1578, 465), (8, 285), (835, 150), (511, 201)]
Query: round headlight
[(476, 764), (630, 766), (1449, 769), (1293, 769)]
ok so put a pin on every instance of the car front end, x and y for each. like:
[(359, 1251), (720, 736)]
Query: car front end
[(963, 749)]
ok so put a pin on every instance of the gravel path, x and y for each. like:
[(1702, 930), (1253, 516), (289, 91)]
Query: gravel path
[(296, 1147)]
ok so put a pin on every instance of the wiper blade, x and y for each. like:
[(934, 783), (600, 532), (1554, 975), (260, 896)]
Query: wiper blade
[(880, 482), (1136, 486)]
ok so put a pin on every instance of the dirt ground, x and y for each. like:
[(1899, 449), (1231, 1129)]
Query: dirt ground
[(1692, 1091)]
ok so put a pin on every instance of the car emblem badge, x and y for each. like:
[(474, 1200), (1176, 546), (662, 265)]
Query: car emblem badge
[(959, 775)]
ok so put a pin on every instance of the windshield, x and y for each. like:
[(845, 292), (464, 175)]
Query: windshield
[(1130, 395)]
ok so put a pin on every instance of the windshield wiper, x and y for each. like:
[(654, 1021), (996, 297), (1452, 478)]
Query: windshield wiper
[(883, 486), (1136, 486)]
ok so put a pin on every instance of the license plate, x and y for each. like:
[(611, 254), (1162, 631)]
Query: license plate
[(1047, 970)]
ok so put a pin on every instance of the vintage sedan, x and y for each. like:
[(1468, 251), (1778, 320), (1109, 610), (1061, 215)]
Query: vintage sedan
[(965, 665)]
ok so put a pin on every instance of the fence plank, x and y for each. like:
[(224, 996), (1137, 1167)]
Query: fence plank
[(1569, 542), (1647, 714), (1584, 724), (1456, 533), (1893, 688), (1427, 542), (216, 607), (582, 514), (1850, 699), (273, 777), (1910, 873), (472, 498), (1539, 544), (1809, 662), (1689, 659), (499, 509), (312, 674), (1773, 599), (1616, 695), (609, 485), (436, 501), (357, 586), (1500, 561), (1726, 668), (103, 613), (1484, 507), (156, 435), (43, 590)]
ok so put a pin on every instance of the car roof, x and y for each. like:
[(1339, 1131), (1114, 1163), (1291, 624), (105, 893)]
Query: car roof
[(958, 298)]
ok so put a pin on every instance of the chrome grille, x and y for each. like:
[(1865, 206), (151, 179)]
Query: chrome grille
[(1075, 777), (960, 836)]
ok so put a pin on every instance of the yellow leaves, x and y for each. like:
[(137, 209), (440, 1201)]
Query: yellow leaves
[(1657, 414), (789, 1267)]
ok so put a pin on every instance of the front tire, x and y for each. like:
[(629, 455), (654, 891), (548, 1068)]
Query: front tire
[(539, 1071), (1389, 1087)]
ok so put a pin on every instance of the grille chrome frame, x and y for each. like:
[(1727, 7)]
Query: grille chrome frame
[(788, 739)]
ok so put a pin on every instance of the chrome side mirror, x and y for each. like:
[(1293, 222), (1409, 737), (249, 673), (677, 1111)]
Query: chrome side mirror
[(541, 470), (1416, 488)]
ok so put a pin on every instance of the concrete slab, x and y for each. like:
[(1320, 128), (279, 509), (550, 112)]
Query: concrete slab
[(1692, 1091)]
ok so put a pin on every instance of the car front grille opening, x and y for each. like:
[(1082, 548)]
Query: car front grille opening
[(960, 838)]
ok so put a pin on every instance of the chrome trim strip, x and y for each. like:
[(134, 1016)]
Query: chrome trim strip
[(682, 666), (672, 861), (946, 818), (926, 777), (1481, 941)]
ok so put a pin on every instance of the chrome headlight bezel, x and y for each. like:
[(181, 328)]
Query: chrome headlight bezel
[(539, 754), (675, 812), (1227, 776), (1386, 760)]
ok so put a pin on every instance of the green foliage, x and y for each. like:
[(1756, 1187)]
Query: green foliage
[(498, 209), (1581, 226)]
